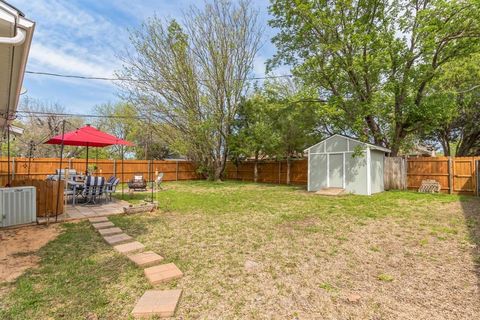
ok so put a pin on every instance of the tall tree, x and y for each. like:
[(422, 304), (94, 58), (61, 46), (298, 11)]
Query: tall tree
[(190, 78), (294, 116), (254, 131), (458, 90), (42, 120), (374, 60)]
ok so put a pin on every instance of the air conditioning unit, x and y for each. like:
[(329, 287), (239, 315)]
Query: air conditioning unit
[(17, 206)]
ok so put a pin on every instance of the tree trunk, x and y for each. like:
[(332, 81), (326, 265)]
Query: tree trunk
[(220, 165)]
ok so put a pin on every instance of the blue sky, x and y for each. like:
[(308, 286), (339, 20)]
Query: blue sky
[(84, 37)]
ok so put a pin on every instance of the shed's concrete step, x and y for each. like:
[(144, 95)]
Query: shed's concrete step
[(162, 273), (129, 247), (103, 225), (145, 259), (157, 303), (117, 239), (331, 191), (110, 231)]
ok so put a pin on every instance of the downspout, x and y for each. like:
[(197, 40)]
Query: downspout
[(16, 40)]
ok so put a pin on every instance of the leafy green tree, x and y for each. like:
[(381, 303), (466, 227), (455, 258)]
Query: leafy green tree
[(375, 60), (294, 116), (278, 121), (458, 90), (254, 132)]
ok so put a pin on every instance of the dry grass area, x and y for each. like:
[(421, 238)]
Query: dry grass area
[(254, 251)]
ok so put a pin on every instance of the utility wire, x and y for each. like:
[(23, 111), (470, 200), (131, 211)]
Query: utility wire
[(59, 75), (48, 114)]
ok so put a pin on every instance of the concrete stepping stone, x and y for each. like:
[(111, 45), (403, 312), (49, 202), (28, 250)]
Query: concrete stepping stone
[(110, 231), (162, 273), (103, 225), (98, 219), (118, 239), (146, 259), (129, 247), (160, 303)]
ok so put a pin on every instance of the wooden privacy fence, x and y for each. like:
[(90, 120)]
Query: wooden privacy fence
[(395, 173), (47, 193), (455, 174), (269, 171), (41, 167)]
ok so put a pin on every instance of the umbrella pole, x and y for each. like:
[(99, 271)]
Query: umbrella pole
[(86, 164), (60, 171)]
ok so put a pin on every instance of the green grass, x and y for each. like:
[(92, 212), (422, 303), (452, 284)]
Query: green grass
[(305, 247), (79, 275)]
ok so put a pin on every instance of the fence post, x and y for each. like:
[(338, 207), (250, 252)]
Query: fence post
[(13, 168), (114, 167), (176, 171), (477, 170), (279, 171), (148, 170), (450, 175)]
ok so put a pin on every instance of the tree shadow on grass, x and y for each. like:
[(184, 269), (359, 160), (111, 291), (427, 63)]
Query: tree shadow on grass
[(471, 211)]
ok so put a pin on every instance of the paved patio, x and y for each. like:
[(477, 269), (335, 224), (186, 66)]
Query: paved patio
[(82, 211)]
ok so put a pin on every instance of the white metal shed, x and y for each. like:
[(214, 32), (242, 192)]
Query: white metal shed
[(347, 163)]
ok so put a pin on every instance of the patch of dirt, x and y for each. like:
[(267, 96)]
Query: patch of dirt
[(19, 247)]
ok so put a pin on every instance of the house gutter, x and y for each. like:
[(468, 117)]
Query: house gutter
[(17, 40)]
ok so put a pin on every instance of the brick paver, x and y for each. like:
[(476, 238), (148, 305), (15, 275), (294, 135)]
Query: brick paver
[(103, 225), (129, 247), (162, 273), (157, 303), (118, 239), (110, 231), (146, 259), (98, 219)]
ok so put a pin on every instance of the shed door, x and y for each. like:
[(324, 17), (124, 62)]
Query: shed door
[(335, 173)]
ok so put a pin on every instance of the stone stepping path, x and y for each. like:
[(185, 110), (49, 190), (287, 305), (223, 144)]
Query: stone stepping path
[(157, 303), (98, 219), (110, 231), (118, 239), (162, 273), (103, 225), (145, 259), (160, 303), (129, 247)]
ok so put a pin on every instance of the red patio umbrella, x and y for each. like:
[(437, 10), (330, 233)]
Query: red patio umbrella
[(88, 136)]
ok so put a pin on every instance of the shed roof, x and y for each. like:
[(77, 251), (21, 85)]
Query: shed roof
[(371, 146)]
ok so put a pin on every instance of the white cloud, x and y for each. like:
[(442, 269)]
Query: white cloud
[(71, 39), (55, 59)]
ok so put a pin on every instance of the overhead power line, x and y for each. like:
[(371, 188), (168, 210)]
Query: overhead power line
[(48, 114), (72, 76)]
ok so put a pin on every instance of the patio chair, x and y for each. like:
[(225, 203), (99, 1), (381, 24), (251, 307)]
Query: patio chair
[(137, 183), (111, 187), (94, 188)]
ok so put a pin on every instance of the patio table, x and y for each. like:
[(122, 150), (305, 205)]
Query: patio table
[(77, 186)]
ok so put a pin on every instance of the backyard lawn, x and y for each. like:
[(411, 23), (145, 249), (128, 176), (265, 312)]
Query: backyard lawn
[(258, 251)]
